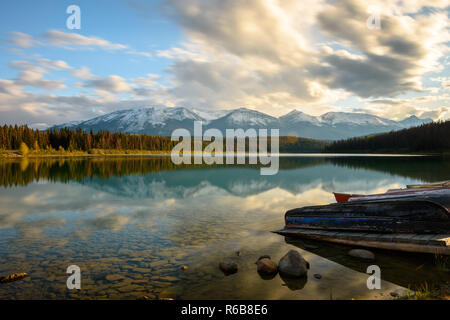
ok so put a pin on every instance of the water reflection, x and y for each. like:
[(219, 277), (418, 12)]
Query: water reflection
[(131, 223)]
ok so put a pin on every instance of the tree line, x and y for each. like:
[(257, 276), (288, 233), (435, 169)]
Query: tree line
[(11, 138), (431, 137)]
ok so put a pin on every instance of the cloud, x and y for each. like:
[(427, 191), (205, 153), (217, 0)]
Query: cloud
[(429, 106), (140, 53), (70, 40), (277, 55), (394, 58), (54, 64), (22, 40), (83, 73), (112, 83), (32, 75), (272, 56), (149, 81)]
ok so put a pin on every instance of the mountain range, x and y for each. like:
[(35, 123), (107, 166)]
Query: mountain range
[(161, 121)]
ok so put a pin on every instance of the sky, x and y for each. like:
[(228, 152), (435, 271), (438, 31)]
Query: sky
[(386, 57)]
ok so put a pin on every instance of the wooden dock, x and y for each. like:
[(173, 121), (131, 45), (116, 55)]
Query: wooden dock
[(410, 242)]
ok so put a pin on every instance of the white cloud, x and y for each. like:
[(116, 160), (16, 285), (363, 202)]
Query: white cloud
[(22, 40), (149, 81), (72, 40), (140, 53), (54, 64), (269, 55), (32, 75), (275, 55), (112, 83), (83, 73)]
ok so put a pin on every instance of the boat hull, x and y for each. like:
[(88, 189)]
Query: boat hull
[(429, 215)]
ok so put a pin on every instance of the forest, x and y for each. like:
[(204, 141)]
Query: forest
[(13, 137), (429, 138)]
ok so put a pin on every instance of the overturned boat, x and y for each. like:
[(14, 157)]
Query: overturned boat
[(416, 221), (413, 190)]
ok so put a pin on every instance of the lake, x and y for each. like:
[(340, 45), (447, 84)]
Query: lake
[(132, 223)]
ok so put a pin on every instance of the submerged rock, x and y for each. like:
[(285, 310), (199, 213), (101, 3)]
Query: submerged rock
[(293, 265), (266, 267), (362, 254), (401, 293), (228, 267), (13, 277), (294, 283)]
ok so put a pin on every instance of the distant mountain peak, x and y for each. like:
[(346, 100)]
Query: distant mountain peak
[(161, 120), (413, 121)]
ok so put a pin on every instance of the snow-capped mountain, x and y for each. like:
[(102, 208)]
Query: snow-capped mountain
[(245, 119), (153, 120), (296, 116), (159, 120), (412, 121), (209, 115), (336, 118)]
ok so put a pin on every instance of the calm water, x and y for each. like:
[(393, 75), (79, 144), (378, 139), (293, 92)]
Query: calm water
[(130, 224)]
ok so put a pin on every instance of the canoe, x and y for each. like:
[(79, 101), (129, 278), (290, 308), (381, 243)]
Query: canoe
[(420, 215), (393, 193), (441, 184), (344, 197), (411, 219)]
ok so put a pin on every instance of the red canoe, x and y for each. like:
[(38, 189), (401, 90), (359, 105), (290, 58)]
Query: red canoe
[(344, 197), (398, 193)]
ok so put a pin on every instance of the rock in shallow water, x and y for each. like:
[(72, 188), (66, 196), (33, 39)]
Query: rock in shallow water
[(13, 277), (293, 265), (266, 266), (263, 257), (362, 254), (228, 267), (402, 293)]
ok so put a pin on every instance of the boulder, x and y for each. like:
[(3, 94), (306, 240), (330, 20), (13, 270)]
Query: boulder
[(263, 257), (362, 254), (294, 283), (266, 266), (228, 267), (293, 265)]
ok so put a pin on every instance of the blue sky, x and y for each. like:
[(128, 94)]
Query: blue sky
[(267, 55), (116, 21)]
